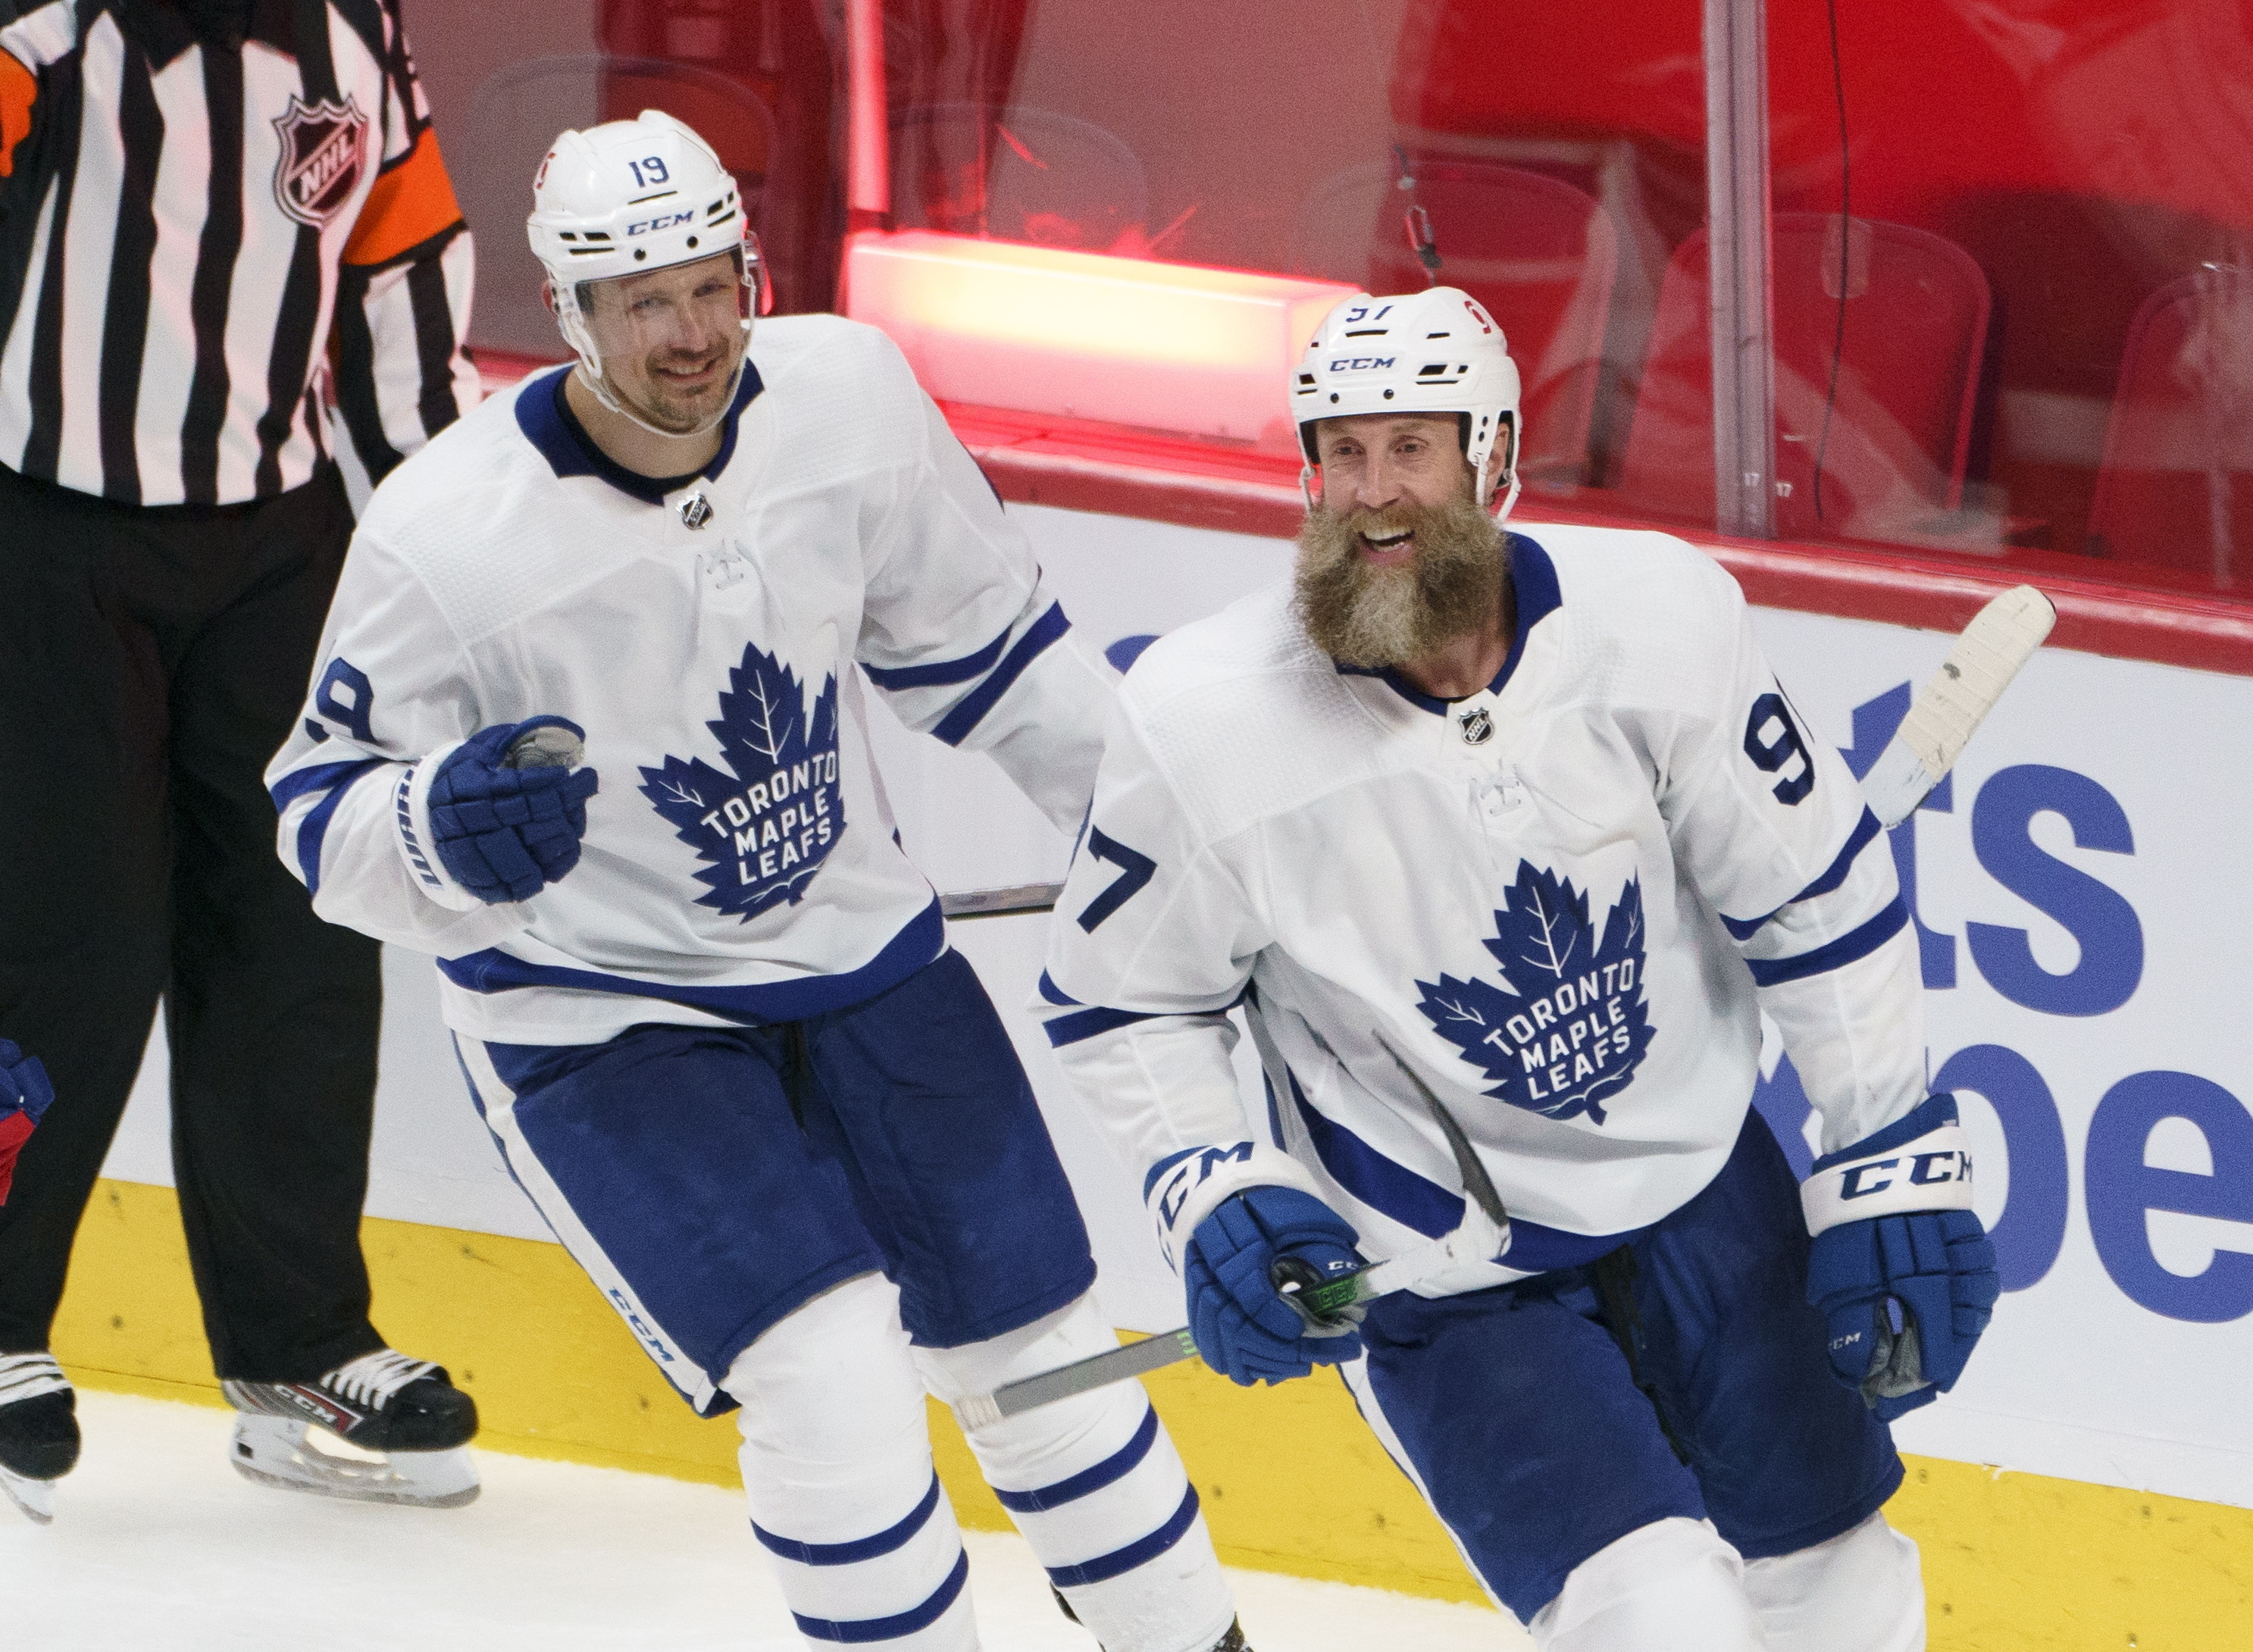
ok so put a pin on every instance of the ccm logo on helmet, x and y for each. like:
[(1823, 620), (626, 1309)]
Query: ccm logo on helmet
[(667, 222), (1357, 364)]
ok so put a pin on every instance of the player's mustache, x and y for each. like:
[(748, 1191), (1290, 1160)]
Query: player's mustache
[(1367, 616), (1383, 521)]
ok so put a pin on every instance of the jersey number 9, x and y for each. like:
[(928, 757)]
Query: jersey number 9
[(1775, 755)]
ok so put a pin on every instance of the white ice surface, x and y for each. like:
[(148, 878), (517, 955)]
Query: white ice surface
[(157, 1546)]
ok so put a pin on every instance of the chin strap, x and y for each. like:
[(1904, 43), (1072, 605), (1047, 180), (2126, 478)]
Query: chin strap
[(573, 323), (590, 374)]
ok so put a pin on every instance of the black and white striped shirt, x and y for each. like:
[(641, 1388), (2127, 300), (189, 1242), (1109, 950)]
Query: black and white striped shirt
[(202, 204)]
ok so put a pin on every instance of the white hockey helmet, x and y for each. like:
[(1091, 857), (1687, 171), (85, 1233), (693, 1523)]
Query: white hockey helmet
[(1437, 351), (628, 197)]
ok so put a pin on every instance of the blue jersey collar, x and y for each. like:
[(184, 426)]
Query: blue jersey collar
[(1533, 578), (549, 425)]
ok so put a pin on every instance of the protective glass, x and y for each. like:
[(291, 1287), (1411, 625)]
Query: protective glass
[(689, 307)]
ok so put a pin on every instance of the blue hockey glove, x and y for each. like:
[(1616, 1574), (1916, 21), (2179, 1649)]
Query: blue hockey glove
[(1901, 1268), (26, 1095), (1243, 1327), (505, 834)]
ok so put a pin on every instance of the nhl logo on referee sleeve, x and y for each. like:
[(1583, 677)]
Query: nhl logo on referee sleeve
[(324, 154)]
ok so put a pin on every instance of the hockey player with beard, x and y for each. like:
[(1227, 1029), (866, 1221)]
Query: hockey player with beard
[(588, 727), (1505, 846)]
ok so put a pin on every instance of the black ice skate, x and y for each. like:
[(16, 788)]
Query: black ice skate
[(38, 1431), (402, 1424)]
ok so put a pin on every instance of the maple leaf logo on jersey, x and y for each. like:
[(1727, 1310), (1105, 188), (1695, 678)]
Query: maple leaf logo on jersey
[(1578, 1024), (767, 827)]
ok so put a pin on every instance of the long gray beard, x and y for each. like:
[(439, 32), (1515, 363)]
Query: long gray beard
[(1374, 617)]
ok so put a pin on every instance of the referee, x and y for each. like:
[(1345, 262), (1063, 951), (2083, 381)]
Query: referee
[(219, 218)]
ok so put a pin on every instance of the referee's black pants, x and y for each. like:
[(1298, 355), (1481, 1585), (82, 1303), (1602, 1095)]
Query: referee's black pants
[(151, 662)]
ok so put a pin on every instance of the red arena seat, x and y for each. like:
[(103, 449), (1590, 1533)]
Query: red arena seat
[(2175, 487), (1900, 425)]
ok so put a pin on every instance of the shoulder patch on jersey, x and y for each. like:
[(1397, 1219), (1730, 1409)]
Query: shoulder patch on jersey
[(767, 827), (1575, 1023)]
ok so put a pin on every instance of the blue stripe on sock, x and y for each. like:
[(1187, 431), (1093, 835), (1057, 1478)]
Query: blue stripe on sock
[(1857, 943), (1116, 1467), (860, 1631), (1103, 1567), (844, 1554)]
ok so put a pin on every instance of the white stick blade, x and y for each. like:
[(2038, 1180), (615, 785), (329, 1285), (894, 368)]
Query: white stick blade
[(1986, 657)]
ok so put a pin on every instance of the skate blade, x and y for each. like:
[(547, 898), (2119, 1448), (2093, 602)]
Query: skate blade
[(279, 1451), (35, 1497)]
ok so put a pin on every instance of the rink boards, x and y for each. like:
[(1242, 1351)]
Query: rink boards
[(2083, 907)]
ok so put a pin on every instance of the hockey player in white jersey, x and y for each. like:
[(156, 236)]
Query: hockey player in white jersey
[(1529, 835), (588, 727)]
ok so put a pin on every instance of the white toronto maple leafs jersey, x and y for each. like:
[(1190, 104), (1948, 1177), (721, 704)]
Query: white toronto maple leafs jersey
[(1560, 903), (739, 864)]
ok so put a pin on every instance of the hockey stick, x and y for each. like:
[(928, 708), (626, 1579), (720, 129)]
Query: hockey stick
[(2001, 637), (1328, 1307), (1022, 897), (1942, 720)]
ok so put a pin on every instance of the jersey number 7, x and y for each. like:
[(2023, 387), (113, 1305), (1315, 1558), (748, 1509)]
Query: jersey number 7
[(1135, 870)]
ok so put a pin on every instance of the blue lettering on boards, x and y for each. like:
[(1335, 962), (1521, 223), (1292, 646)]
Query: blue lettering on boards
[(2122, 1187), (2095, 914), (2031, 1230)]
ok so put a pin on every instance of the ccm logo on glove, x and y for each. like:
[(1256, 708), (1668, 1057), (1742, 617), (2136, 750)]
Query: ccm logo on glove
[(1900, 1267), (1926, 1169), (1933, 1172)]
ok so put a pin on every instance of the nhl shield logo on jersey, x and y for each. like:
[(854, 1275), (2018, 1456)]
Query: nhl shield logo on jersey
[(1579, 1023), (325, 149), (766, 828)]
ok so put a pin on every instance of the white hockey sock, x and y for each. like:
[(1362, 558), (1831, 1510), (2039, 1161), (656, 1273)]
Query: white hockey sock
[(836, 1461), (1861, 1591), (1097, 1489), (1673, 1584)]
